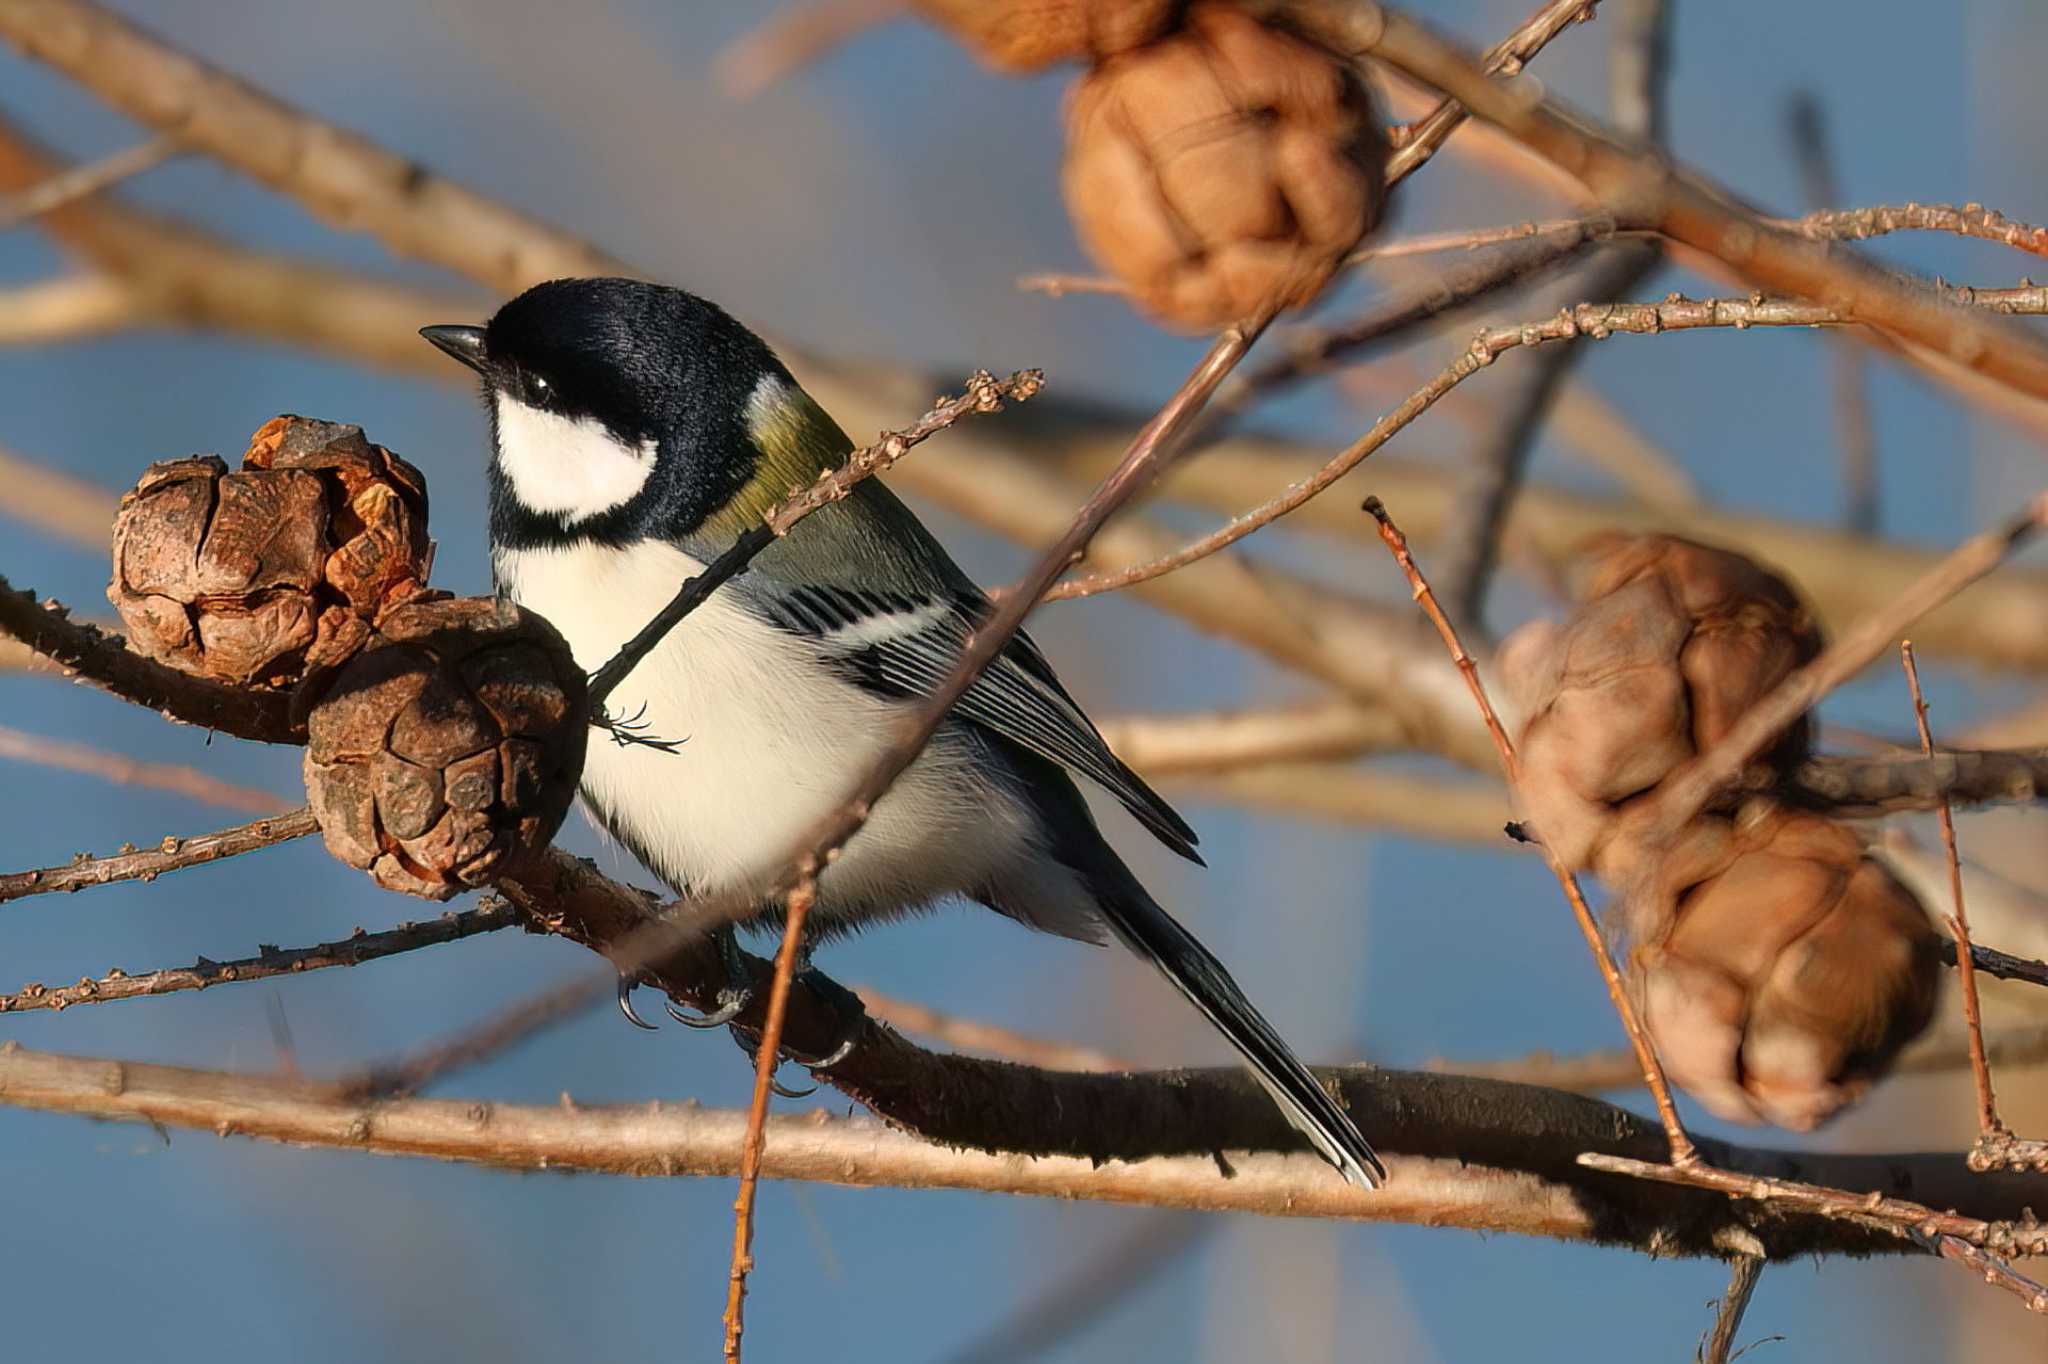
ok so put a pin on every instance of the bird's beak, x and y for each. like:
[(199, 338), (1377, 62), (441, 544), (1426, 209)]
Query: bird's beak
[(464, 343)]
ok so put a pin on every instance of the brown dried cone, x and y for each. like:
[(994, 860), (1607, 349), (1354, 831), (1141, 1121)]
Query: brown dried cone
[(449, 747), (1779, 968), (1023, 35), (259, 577), (1672, 642), (1224, 166)]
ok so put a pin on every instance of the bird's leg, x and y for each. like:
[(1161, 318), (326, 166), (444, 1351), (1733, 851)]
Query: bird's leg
[(733, 996), (631, 729)]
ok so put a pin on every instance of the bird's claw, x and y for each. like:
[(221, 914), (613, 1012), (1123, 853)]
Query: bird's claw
[(753, 1051), (731, 1004), (626, 984), (733, 996)]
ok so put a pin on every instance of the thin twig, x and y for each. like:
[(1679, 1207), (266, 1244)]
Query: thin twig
[(1685, 792), (767, 1056), (269, 962), (1493, 473), (1743, 1273), (131, 864), (1614, 1069), (1961, 220), (1589, 321), (1311, 351), (1057, 284), (80, 182), (1896, 1215), (105, 661), (1959, 921), (1998, 965), (1682, 1150), (180, 778), (1644, 190), (1417, 142), (1849, 370), (1991, 1269), (68, 507), (794, 37), (983, 393)]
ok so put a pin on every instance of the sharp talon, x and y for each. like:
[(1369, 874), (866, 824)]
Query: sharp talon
[(730, 1006), (626, 984), (788, 1093), (839, 1053)]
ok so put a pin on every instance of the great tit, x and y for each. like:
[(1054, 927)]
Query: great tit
[(636, 431)]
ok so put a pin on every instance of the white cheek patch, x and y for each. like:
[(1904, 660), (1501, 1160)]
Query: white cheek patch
[(570, 467)]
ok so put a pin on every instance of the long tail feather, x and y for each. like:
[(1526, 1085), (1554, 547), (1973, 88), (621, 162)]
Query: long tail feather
[(1154, 934)]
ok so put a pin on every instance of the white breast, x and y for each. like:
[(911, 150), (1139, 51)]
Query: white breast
[(771, 742)]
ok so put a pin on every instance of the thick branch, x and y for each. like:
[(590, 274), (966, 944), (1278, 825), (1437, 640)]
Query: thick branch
[(105, 662), (1557, 1199)]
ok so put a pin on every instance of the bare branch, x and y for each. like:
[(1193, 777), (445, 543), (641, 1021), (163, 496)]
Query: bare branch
[(1643, 191), (179, 778), (132, 864), (1743, 1273), (1416, 143), (81, 182), (1614, 1070), (1959, 921), (1537, 1191), (71, 508), (104, 661), (1682, 1149), (269, 962), (793, 37)]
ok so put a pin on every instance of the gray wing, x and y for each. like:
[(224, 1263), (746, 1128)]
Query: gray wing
[(891, 612), (903, 646)]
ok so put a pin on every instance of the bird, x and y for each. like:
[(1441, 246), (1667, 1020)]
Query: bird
[(636, 431)]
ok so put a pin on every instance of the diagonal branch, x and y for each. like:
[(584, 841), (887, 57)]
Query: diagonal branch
[(146, 864), (267, 963)]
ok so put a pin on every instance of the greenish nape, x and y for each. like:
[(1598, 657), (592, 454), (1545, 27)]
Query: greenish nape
[(797, 440)]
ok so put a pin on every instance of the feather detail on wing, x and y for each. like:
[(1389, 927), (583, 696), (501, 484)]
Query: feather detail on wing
[(904, 645)]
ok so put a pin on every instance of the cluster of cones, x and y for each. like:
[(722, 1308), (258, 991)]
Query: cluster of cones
[(444, 734), (1778, 966)]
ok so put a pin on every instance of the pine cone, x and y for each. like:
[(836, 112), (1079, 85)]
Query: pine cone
[(448, 748), (1779, 967), (1673, 642), (257, 578), (1023, 35), (1225, 165)]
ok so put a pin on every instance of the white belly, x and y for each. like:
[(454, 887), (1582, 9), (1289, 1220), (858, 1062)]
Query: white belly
[(770, 744)]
